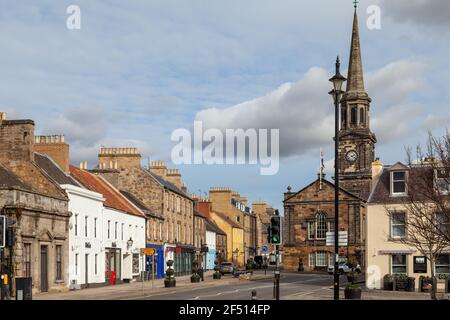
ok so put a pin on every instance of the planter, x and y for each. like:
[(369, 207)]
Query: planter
[(170, 283), (217, 275), (411, 284), (425, 284), (352, 293), (195, 278), (388, 283), (401, 284)]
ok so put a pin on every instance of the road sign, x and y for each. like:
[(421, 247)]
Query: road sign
[(148, 251), (342, 238), (264, 248)]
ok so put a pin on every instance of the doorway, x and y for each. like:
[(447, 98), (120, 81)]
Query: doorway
[(44, 268), (86, 269)]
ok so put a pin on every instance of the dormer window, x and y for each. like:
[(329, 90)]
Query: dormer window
[(398, 182)]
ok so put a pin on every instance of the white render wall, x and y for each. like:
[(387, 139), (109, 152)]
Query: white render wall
[(85, 203), (211, 239), (134, 227)]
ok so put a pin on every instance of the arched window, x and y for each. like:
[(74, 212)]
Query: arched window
[(344, 117), (362, 116), (321, 225), (353, 115)]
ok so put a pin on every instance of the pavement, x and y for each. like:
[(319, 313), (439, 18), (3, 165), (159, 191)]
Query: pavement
[(293, 286)]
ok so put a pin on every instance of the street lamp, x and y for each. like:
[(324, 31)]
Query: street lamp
[(130, 243), (337, 80)]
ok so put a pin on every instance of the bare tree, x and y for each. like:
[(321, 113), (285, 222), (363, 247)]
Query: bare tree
[(427, 201)]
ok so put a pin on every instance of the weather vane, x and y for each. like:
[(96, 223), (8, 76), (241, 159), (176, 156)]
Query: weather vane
[(355, 3)]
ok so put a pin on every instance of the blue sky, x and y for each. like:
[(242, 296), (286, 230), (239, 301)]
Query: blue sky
[(137, 70)]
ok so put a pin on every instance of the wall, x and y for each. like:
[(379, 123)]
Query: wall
[(84, 203)]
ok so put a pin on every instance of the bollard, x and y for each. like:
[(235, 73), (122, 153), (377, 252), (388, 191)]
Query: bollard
[(254, 295)]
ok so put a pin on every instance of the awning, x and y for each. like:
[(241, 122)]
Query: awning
[(397, 251)]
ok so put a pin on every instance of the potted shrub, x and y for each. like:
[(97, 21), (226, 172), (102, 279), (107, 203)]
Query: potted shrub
[(217, 274), (195, 276), (170, 280), (352, 276), (388, 282), (352, 292)]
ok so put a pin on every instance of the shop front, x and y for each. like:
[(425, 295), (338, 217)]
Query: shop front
[(184, 256), (158, 260), (210, 258), (113, 264)]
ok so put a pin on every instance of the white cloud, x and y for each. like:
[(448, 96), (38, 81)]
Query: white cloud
[(304, 114)]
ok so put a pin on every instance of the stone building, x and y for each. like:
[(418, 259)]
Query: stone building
[(234, 206), (309, 213), (164, 194), (199, 230), (263, 212), (37, 210)]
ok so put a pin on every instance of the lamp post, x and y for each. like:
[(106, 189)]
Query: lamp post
[(337, 80)]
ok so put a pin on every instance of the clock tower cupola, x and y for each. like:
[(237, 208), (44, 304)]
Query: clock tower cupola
[(356, 140)]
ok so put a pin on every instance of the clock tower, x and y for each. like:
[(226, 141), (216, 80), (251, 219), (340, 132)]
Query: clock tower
[(356, 141)]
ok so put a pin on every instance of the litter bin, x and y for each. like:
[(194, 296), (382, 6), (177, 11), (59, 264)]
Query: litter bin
[(112, 279), (24, 288)]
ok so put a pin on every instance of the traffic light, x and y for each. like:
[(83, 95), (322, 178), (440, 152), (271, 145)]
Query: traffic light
[(2, 231), (275, 230)]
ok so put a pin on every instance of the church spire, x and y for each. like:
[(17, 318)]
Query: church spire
[(355, 80)]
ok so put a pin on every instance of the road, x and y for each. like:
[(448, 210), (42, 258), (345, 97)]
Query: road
[(291, 284)]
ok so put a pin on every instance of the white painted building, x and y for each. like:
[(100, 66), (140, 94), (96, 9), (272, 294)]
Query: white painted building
[(86, 253), (211, 243)]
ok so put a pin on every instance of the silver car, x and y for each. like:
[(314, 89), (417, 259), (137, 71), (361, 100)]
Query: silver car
[(344, 268), (226, 268)]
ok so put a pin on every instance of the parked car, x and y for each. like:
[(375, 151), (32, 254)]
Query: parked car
[(344, 268), (227, 268)]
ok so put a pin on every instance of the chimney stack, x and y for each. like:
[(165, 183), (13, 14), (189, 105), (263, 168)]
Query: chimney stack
[(159, 168), (377, 168), (55, 147), (16, 139), (119, 158), (174, 176)]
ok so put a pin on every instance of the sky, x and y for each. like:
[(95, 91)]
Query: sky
[(137, 70)]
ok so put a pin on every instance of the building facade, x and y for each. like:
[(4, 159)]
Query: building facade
[(163, 193), (387, 223), (37, 212)]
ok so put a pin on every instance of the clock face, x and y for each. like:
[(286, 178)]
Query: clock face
[(351, 156)]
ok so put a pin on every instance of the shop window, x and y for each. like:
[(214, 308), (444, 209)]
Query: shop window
[(58, 262), (27, 260)]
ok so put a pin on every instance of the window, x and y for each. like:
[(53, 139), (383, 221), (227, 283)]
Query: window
[(27, 260), (321, 259), (95, 227), (344, 116), (398, 263), (109, 225), (442, 180), (95, 263), (167, 232), (398, 182), (442, 223), (121, 231), (135, 263), (353, 115), (58, 262), (362, 118), (86, 226), (178, 205), (167, 200), (398, 225), (76, 263), (115, 230), (311, 230), (160, 231), (76, 224), (238, 219), (178, 232), (443, 264), (154, 230), (321, 225)]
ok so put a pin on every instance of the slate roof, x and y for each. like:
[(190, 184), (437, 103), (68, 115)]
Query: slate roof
[(382, 190), (113, 198), (9, 180), (168, 184), (53, 169), (228, 220), (138, 203), (211, 226)]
